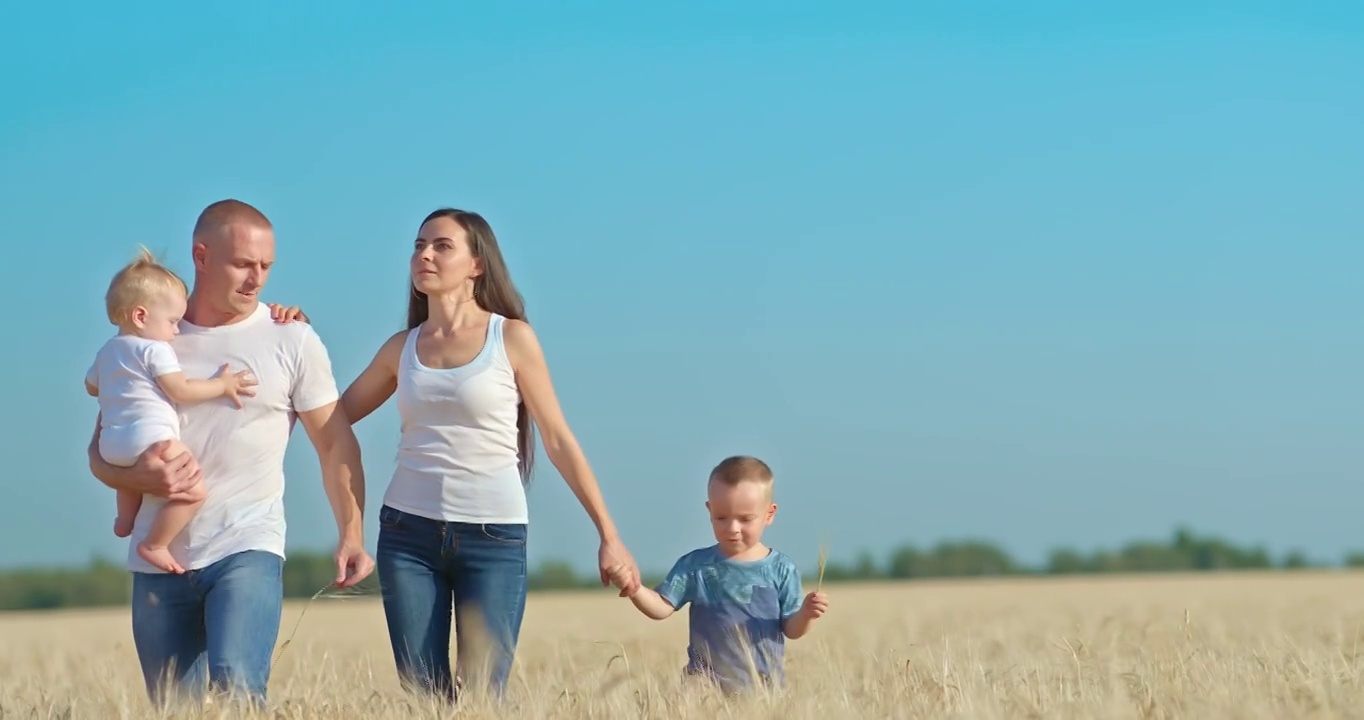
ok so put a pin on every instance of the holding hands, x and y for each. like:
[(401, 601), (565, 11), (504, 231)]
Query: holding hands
[(617, 567)]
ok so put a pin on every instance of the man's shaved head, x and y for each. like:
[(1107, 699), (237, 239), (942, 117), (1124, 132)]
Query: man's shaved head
[(216, 220), (234, 249)]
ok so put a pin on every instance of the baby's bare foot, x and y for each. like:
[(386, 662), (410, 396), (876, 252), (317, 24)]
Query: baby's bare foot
[(123, 527), (159, 557)]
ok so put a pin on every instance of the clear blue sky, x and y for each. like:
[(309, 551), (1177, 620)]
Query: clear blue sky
[(1045, 274)]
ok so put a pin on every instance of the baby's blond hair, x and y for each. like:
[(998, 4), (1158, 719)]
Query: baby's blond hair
[(139, 283)]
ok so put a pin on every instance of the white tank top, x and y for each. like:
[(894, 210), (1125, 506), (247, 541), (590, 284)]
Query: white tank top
[(457, 455)]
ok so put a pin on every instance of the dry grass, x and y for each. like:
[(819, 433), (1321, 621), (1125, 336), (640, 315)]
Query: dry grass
[(1200, 647)]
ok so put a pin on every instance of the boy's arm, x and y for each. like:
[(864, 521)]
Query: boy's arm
[(797, 625), (674, 592), (799, 613), (653, 605)]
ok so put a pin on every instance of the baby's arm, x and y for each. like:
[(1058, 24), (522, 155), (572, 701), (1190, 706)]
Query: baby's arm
[(165, 367), (185, 391)]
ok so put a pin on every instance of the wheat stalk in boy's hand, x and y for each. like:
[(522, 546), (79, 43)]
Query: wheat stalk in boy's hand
[(823, 561)]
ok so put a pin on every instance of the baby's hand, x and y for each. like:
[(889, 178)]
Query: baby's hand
[(236, 385), (816, 604)]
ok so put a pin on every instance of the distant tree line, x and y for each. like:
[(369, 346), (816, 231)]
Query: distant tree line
[(105, 583)]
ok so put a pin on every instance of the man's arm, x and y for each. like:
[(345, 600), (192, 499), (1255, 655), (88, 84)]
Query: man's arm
[(343, 479), (152, 475)]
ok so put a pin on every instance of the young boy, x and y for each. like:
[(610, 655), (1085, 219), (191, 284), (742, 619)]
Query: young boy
[(137, 377), (745, 597)]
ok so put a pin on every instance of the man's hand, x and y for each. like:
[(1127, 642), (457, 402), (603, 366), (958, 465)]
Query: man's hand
[(815, 605), (173, 478), (353, 564), (617, 567), (284, 315)]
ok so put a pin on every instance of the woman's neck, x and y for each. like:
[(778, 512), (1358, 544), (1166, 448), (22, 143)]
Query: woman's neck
[(452, 312)]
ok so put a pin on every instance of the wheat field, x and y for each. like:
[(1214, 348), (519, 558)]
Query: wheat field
[(1227, 646)]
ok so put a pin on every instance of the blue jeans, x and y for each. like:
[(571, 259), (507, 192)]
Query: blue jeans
[(425, 568), (209, 628)]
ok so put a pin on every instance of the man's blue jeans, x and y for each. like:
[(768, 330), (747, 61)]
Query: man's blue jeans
[(209, 628), (427, 567)]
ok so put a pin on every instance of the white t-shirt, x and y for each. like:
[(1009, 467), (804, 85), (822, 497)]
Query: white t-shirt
[(134, 411), (241, 451)]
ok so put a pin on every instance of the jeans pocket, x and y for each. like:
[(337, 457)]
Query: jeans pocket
[(506, 533), (389, 518)]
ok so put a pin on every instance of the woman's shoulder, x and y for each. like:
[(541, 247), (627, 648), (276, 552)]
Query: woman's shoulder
[(392, 348), (519, 340)]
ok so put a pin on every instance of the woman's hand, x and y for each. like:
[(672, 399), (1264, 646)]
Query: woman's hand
[(617, 566), (284, 315)]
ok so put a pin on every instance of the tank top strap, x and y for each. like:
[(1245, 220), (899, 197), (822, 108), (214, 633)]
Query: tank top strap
[(495, 342), (410, 347)]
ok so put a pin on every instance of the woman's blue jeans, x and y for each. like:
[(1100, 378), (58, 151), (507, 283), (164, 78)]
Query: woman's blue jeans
[(427, 568)]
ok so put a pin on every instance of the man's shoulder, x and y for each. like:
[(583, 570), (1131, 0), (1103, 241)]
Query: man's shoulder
[(293, 336)]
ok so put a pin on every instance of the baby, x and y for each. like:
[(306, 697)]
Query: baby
[(746, 598), (137, 377)]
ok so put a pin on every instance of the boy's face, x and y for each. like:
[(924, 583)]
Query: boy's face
[(739, 514)]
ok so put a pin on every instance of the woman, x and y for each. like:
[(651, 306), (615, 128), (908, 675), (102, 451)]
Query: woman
[(470, 378)]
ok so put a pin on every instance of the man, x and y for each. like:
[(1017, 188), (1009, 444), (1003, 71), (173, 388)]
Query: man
[(221, 618)]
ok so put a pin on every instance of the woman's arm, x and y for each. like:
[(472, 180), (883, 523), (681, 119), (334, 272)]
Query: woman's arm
[(376, 383), (533, 381)]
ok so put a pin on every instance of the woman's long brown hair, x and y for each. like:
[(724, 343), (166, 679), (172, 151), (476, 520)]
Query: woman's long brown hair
[(495, 293)]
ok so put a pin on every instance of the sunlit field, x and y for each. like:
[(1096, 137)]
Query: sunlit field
[(1248, 646)]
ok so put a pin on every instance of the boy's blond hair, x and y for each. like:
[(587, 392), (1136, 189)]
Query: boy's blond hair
[(139, 283), (742, 468)]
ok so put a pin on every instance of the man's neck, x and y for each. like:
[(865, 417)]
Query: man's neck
[(198, 312)]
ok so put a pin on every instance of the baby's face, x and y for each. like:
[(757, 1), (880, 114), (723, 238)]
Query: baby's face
[(739, 514), (160, 319)]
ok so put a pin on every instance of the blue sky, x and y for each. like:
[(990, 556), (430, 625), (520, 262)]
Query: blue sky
[(1050, 275)]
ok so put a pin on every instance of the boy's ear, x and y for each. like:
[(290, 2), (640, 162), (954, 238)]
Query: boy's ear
[(771, 512)]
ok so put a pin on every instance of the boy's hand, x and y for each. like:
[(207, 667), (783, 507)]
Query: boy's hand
[(620, 575), (236, 384), (815, 605)]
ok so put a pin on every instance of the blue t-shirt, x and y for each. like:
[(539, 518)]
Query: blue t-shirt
[(734, 602)]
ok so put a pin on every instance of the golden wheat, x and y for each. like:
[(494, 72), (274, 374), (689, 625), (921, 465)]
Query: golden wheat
[(1246, 646)]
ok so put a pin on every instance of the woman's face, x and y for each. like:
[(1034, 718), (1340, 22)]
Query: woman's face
[(441, 259)]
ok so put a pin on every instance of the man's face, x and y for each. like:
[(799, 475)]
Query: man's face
[(233, 266)]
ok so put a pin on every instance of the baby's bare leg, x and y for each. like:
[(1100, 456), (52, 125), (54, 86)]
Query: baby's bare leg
[(128, 504), (170, 520)]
